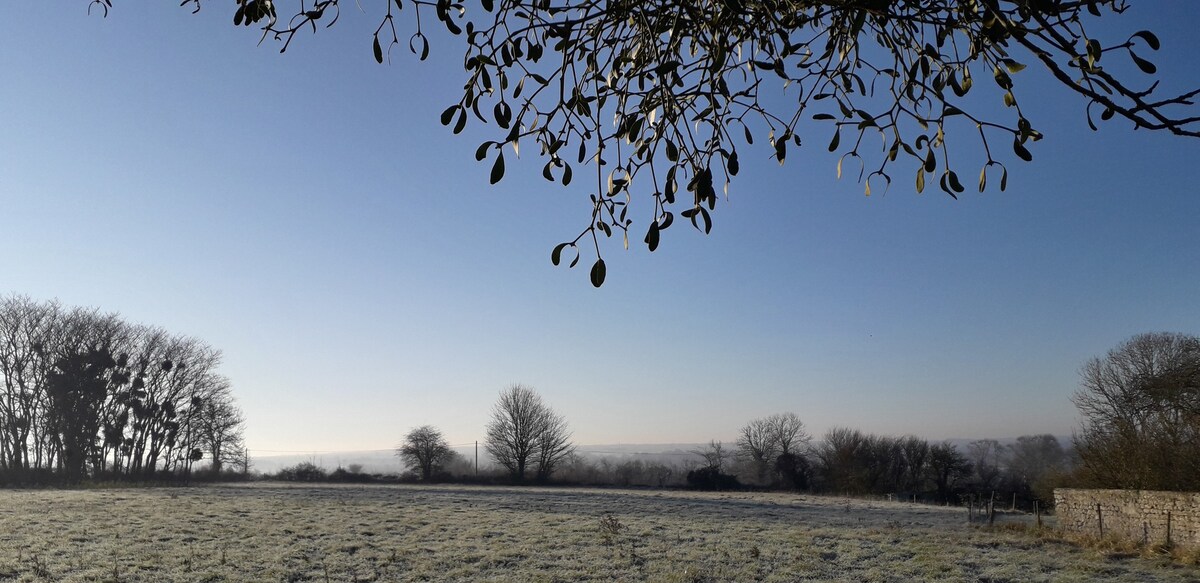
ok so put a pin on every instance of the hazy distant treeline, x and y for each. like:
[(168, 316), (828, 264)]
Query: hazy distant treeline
[(85, 393), (842, 461), (850, 461), (773, 452)]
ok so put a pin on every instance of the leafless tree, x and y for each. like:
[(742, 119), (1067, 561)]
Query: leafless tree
[(241, 461), (525, 432), (839, 456), (985, 456), (757, 445), (425, 449), (146, 419), (761, 443), (947, 467), (1034, 463), (553, 444), (25, 325), (788, 432), (916, 457), (1141, 414), (714, 455), (219, 424)]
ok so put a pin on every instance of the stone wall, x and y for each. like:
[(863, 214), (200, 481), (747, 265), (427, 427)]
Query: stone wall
[(1138, 515)]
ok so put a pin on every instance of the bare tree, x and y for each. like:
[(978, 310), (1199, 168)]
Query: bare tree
[(839, 455), (947, 467), (425, 450), (1141, 414), (553, 444), (762, 442), (714, 455), (524, 432), (916, 457), (788, 432), (757, 444), (1034, 464), (76, 390), (147, 418), (25, 325), (985, 455), (219, 424)]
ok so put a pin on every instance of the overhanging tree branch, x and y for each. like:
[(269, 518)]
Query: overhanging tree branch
[(660, 94)]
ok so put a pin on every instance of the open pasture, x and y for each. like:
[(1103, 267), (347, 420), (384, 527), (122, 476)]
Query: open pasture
[(274, 532)]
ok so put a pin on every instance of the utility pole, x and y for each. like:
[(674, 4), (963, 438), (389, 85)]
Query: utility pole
[(476, 458)]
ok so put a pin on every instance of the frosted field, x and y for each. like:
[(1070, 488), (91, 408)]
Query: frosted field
[(272, 532)]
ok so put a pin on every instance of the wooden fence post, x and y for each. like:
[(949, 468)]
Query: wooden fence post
[(1037, 509), (1100, 519), (1168, 529)]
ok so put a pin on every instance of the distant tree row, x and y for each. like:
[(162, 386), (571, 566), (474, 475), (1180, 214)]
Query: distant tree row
[(777, 452), (525, 436), (84, 393), (855, 462), (1140, 405)]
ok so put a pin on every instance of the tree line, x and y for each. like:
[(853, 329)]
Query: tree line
[(85, 394), (850, 461), (527, 439), (1140, 406)]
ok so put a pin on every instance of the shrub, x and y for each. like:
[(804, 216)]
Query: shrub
[(793, 471), (711, 478), (610, 528), (350, 475), (302, 472)]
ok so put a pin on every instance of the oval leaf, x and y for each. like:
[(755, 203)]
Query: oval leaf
[(598, 273), (652, 236), (498, 168)]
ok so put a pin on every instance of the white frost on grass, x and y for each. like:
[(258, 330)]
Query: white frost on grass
[(275, 532)]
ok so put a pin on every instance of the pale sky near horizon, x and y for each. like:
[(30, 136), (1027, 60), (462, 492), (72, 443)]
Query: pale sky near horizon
[(307, 214)]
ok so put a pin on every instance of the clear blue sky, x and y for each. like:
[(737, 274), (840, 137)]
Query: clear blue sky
[(308, 215)]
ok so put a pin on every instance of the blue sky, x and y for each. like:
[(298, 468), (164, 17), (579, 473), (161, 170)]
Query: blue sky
[(308, 215)]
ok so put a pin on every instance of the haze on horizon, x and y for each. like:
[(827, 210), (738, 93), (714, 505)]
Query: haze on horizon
[(308, 215)]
